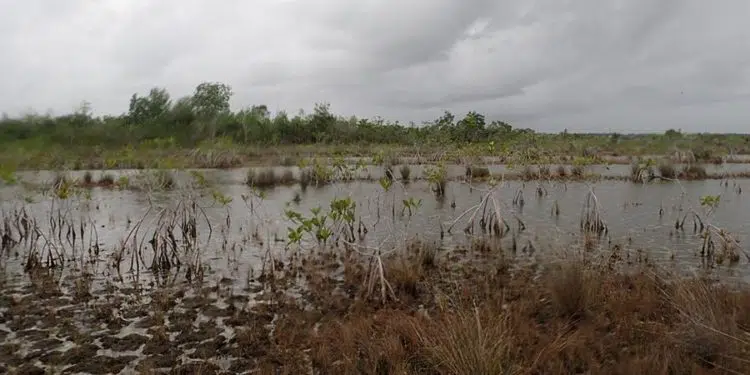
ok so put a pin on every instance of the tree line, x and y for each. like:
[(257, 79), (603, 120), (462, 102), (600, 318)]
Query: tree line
[(206, 115)]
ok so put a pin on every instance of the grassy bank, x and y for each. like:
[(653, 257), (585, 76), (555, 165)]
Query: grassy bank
[(222, 156)]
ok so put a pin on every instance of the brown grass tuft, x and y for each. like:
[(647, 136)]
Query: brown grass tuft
[(469, 342), (477, 172)]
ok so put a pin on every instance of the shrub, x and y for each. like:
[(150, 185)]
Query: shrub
[(106, 180), (561, 171), (88, 178), (405, 172), (263, 178), (693, 172), (576, 171), (667, 170), (477, 172)]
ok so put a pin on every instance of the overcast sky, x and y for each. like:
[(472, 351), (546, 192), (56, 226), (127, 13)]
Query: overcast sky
[(585, 65)]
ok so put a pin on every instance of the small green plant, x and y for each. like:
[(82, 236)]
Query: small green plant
[(123, 182), (221, 198), (378, 158), (412, 205), (710, 201), (199, 178), (386, 183), (491, 147), (342, 217), (321, 173), (344, 171), (63, 187), (8, 175), (315, 225), (437, 177)]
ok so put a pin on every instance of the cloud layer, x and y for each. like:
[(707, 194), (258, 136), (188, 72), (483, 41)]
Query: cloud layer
[(587, 65)]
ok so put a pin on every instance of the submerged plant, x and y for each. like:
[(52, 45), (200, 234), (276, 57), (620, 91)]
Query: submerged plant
[(437, 177)]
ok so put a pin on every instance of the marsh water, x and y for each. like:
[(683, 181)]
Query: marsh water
[(640, 218)]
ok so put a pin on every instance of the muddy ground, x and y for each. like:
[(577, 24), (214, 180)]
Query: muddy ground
[(469, 311)]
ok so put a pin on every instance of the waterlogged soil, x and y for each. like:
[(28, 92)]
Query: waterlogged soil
[(172, 329)]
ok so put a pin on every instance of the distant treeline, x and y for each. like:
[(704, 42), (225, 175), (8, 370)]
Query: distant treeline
[(206, 115)]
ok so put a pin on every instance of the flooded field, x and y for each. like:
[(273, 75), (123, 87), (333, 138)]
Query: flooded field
[(110, 280)]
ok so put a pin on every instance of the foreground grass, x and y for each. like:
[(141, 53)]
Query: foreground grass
[(476, 313)]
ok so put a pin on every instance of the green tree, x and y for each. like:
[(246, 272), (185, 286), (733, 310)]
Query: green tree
[(471, 128), (321, 122), (149, 109), (210, 100)]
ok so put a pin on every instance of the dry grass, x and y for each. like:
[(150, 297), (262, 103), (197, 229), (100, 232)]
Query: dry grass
[(267, 178), (693, 172), (106, 179), (468, 313), (470, 343), (528, 173), (577, 171), (545, 172)]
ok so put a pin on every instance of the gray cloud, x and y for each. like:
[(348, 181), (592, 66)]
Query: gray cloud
[(589, 65)]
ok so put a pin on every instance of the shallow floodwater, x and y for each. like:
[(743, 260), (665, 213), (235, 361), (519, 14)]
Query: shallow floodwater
[(51, 329), (639, 216)]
